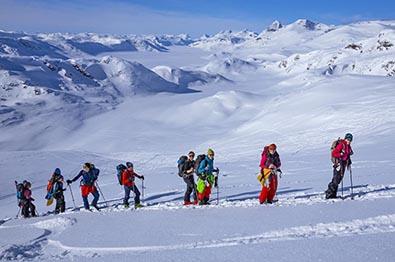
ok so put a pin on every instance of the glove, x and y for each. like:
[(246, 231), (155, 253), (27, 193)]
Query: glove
[(68, 181), (31, 199), (279, 172), (272, 166), (216, 181), (142, 177)]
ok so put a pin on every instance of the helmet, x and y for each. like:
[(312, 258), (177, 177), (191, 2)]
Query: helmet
[(129, 164), (57, 171), (348, 136)]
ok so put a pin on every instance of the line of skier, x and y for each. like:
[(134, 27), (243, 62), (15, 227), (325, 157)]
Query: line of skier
[(188, 166)]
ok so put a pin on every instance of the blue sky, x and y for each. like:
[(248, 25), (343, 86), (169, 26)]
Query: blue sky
[(195, 17)]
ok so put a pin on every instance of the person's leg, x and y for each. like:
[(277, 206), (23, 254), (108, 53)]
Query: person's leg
[(85, 201), (84, 193), (62, 203), (136, 195), (32, 208), (272, 189), (25, 209), (127, 195), (96, 196), (207, 193), (331, 192), (189, 190), (263, 195), (195, 198), (58, 205)]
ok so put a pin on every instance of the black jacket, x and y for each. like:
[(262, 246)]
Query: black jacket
[(187, 166)]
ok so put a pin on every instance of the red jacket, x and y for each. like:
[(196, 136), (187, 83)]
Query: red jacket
[(268, 159), (27, 194), (342, 151), (128, 178)]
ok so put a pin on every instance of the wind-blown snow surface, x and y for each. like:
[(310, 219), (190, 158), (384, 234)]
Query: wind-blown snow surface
[(69, 99)]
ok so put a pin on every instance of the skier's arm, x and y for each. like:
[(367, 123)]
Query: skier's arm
[(278, 164), (141, 177), (75, 178), (202, 167)]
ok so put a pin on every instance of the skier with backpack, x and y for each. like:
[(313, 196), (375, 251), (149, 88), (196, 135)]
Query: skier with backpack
[(341, 152), (24, 195), (128, 183), (206, 179), (55, 191), (88, 175), (186, 169), (270, 164)]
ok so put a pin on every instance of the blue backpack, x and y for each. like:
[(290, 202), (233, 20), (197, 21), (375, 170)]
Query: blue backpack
[(89, 178), (19, 191)]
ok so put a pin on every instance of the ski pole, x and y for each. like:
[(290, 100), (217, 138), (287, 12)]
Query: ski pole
[(217, 193), (142, 190), (352, 191), (101, 193), (72, 196), (19, 210), (217, 187), (342, 187)]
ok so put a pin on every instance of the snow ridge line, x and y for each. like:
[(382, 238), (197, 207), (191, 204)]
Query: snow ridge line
[(371, 225)]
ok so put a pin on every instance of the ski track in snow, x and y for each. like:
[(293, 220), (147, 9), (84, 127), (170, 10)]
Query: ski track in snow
[(372, 225), (361, 193), (369, 192), (54, 225)]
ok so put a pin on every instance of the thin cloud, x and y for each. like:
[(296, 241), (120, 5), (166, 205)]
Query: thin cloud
[(103, 17)]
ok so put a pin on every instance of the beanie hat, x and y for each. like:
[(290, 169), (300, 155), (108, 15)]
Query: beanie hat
[(210, 152), (348, 136)]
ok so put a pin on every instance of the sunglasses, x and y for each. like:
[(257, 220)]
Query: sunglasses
[(191, 155), (211, 154)]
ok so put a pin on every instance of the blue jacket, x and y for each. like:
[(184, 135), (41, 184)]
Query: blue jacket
[(207, 162), (88, 178)]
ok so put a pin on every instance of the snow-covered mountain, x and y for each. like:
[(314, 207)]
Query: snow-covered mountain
[(185, 78), (66, 99)]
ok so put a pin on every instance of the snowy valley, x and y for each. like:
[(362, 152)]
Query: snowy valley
[(67, 99)]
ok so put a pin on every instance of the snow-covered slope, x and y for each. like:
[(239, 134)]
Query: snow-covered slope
[(300, 86)]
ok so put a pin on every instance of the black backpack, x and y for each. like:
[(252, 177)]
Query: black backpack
[(120, 169), (199, 159), (181, 164)]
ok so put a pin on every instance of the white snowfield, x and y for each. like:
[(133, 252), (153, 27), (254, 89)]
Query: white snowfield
[(66, 99)]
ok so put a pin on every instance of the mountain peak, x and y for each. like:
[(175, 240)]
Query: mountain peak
[(308, 24), (275, 26)]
